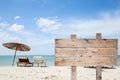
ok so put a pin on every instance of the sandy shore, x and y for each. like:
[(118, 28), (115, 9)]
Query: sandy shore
[(55, 73)]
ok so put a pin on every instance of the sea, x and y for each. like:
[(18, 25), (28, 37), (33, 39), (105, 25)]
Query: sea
[(6, 60)]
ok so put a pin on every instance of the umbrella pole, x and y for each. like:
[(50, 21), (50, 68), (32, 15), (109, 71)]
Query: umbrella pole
[(14, 58)]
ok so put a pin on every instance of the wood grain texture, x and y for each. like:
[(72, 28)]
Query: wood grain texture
[(85, 61), (86, 52), (83, 43)]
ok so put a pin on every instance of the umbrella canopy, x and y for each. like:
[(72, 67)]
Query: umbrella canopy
[(16, 47)]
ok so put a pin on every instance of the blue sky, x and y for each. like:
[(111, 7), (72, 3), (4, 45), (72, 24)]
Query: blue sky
[(38, 22)]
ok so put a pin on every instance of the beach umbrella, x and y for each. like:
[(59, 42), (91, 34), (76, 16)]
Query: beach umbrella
[(16, 47)]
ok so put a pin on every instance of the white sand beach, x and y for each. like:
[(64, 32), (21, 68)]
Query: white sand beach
[(55, 73)]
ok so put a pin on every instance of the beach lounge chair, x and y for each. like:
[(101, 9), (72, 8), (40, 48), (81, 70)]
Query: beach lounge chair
[(39, 60), (24, 61)]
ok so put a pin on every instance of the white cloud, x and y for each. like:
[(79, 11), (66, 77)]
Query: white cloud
[(20, 29), (47, 25), (106, 23), (5, 37), (3, 25), (17, 17), (16, 28)]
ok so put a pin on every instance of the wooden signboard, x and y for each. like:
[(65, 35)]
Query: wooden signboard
[(86, 52)]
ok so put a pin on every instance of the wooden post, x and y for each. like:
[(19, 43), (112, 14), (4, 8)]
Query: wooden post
[(98, 36), (73, 68), (73, 73), (98, 68), (73, 36), (98, 73)]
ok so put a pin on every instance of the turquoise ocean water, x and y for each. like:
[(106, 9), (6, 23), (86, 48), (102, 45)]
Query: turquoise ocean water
[(7, 60)]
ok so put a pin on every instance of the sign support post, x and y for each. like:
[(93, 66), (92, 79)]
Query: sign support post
[(73, 73), (73, 68), (98, 73), (98, 68)]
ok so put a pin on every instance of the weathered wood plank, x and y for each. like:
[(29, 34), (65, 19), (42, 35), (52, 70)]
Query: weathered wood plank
[(83, 43), (85, 61), (86, 51)]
